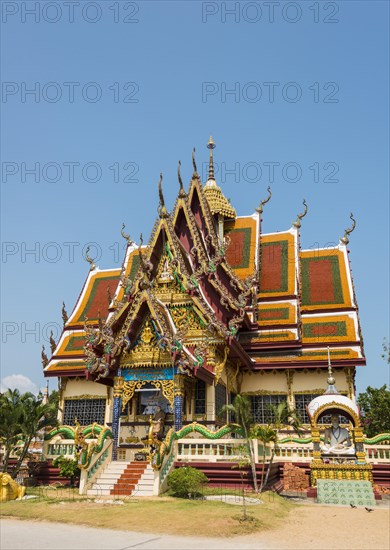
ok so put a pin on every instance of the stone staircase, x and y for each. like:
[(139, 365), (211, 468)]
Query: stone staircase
[(122, 479), (357, 493)]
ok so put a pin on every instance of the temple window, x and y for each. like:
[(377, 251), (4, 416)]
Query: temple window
[(261, 407), (220, 401), (200, 397), (87, 411)]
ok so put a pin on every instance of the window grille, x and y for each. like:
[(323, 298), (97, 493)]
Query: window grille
[(87, 411), (200, 397), (261, 407), (220, 401)]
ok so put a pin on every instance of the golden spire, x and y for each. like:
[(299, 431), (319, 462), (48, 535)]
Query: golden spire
[(211, 145), (218, 203), (331, 379), (331, 389)]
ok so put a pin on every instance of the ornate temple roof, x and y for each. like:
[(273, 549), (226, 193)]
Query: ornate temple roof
[(272, 304), (219, 204)]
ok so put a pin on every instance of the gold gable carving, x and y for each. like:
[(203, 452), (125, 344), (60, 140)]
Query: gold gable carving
[(146, 353)]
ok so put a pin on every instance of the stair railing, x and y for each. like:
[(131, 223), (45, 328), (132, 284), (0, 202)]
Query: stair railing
[(96, 466), (166, 468)]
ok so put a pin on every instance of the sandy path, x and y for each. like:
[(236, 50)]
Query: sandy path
[(317, 527)]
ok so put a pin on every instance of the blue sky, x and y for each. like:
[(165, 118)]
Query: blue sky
[(123, 90)]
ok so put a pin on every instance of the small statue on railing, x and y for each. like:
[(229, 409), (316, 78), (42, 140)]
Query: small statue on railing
[(156, 430)]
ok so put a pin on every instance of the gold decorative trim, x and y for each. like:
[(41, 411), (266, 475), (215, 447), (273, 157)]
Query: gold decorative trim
[(336, 405), (265, 392), (129, 387), (349, 471), (84, 396)]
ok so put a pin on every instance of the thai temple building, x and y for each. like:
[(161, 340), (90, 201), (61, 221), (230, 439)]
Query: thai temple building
[(210, 307)]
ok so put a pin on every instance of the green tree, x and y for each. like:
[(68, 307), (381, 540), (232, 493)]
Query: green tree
[(186, 481), (281, 416), (22, 417), (266, 435), (11, 419), (375, 410), (36, 417), (68, 468), (242, 411)]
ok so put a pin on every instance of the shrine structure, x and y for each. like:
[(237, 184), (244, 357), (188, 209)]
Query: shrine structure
[(209, 308)]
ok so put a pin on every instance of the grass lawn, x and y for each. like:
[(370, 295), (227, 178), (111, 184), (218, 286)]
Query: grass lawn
[(164, 514)]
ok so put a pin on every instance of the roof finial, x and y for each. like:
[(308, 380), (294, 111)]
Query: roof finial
[(53, 344), (331, 389), (89, 260), (195, 174), (331, 380), (126, 236), (259, 209), (211, 145), (182, 193), (162, 211), (345, 239), (44, 358), (297, 223), (64, 314)]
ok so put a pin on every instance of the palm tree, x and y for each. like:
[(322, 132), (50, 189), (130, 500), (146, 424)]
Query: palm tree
[(242, 411), (281, 416), (36, 416), (266, 435)]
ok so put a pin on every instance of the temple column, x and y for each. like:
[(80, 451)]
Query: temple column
[(210, 402), (178, 401), (117, 406), (290, 394)]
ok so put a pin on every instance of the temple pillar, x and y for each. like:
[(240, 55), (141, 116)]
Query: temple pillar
[(117, 407), (315, 434), (358, 440), (178, 401), (210, 400), (290, 395)]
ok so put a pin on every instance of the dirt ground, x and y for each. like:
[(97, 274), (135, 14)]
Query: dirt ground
[(317, 527)]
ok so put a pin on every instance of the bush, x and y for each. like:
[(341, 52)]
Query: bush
[(186, 481), (68, 468)]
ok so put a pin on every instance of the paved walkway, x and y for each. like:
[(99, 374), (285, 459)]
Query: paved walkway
[(32, 535)]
